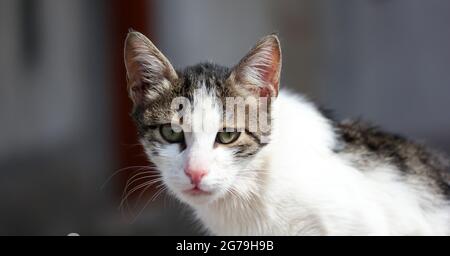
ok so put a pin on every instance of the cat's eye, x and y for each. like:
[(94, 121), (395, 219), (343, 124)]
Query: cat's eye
[(171, 135), (227, 137)]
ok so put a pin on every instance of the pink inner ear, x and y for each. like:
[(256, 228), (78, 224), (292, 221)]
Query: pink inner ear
[(270, 76), (265, 92)]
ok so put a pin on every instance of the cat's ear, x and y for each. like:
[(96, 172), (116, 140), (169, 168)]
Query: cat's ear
[(149, 72), (259, 71)]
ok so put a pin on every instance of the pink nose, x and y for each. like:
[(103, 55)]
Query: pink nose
[(195, 175)]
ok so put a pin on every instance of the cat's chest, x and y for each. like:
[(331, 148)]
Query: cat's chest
[(235, 221), (254, 221)]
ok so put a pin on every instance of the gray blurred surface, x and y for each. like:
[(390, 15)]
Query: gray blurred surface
[(384, 60)]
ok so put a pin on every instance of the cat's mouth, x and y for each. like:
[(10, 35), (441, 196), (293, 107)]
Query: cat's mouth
[(196, 191)]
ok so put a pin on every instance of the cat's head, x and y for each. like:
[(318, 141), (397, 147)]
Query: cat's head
[(205, 145)]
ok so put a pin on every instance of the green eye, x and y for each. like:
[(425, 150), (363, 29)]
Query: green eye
[(171, 135), (227, 137)]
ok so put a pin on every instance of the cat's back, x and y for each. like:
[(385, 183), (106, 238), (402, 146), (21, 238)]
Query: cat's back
[(368, 146)]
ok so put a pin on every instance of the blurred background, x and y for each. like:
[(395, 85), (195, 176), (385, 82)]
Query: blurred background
[(64, 124)]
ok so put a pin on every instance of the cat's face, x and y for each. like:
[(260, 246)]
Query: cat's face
[(191, 124)]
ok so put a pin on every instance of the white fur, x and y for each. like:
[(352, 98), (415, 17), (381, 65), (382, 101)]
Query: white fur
[(297, 185)]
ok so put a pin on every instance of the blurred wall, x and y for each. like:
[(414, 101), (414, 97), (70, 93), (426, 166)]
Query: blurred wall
[(54, 99)]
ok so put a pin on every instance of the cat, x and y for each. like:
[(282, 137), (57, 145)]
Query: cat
[(307, 174)]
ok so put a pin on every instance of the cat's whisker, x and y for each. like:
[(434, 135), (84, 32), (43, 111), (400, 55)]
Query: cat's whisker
[(128, 194), (147, 173), (134, 177), (158, 193), (160, 185), (150, 168), (152, 181), (145, 190), (148, 202)]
